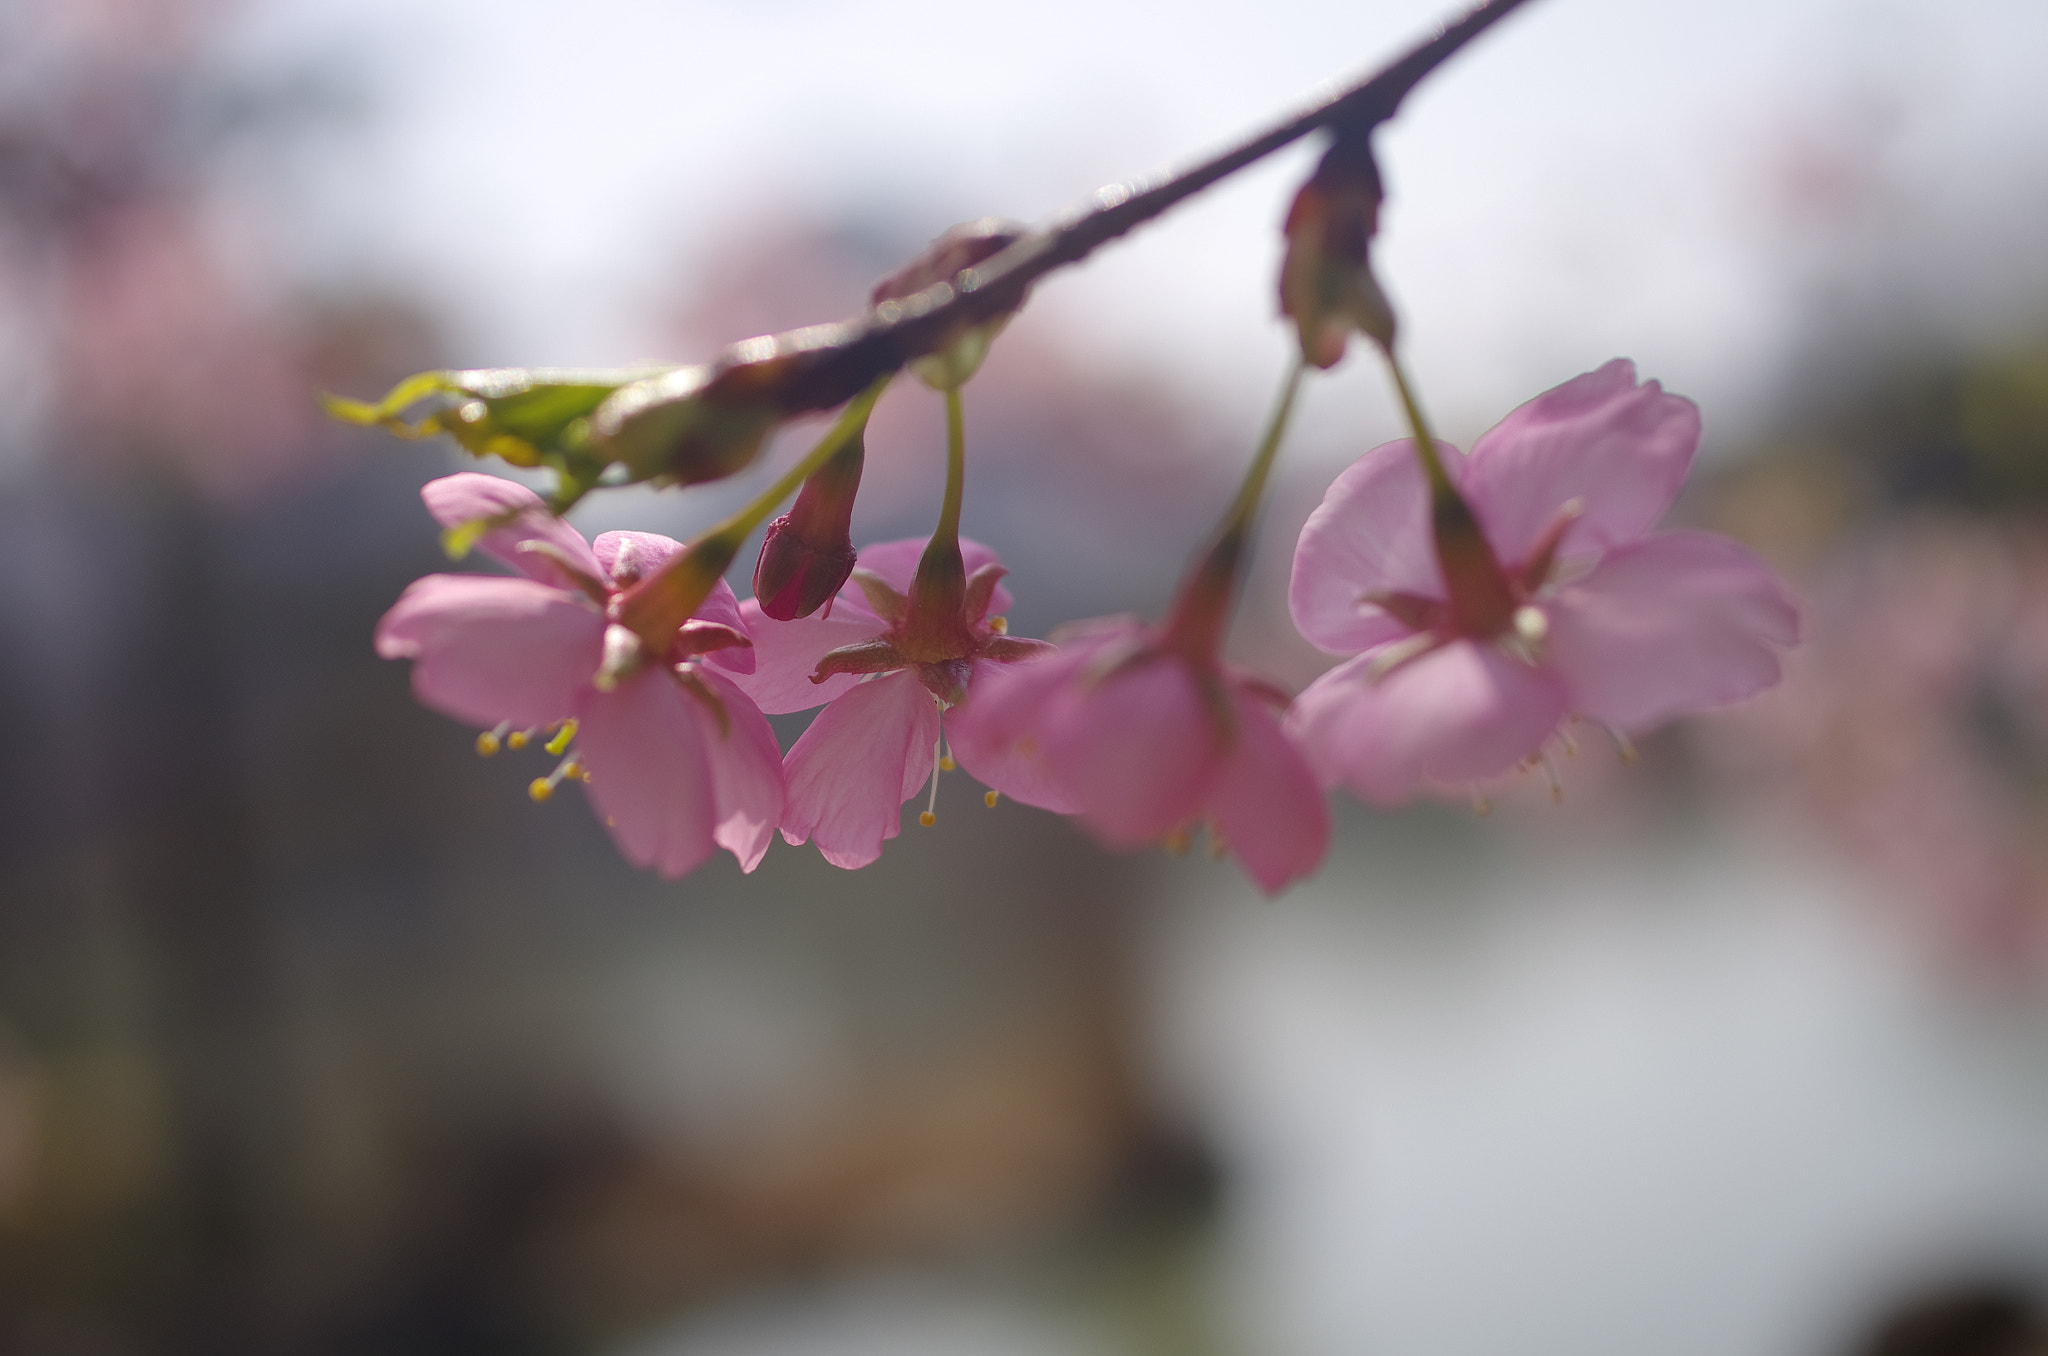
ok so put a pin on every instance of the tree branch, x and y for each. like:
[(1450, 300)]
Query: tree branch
[(821, 366)]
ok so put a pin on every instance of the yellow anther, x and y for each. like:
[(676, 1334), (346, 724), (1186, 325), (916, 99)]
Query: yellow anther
[(927, 818), (1179, 841), (486, 744), (989, 798), (999, 625), (947, 764), (562, 738), (543, 787), (518, 739), (1623, 745), (1481, 806)]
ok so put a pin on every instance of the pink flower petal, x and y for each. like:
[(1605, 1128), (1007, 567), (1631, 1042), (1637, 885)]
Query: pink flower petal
[(896, 563), (1460, 714), (865, 754), (746, 772), (1621, 449), (650, 779), (489, 648), (629, 557), (1139, 749), (786, 653), (1266, 803), (723, 607), (1369, 535), (989, 751), (1679, 622), (458, 499)]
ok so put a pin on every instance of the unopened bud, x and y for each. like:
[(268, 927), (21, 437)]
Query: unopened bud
[(959, 354), (808, 552), (1326, 281)]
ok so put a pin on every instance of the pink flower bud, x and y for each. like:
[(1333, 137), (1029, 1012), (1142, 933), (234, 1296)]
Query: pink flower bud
[(1326, 281), (808, 552)]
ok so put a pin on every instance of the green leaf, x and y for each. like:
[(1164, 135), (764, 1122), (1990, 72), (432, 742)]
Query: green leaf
[(527, 416)]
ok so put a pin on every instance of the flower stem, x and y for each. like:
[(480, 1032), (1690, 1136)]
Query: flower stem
[(1482, 603), (1440, 486), (658, 604), (956, 467), (1253, 487), (1196, 624), (849, 423), (938, 591)]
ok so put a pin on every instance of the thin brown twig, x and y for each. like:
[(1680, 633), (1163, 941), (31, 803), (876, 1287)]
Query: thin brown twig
[(819, 367)]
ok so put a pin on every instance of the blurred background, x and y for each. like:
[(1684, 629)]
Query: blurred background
[(316, 1036)]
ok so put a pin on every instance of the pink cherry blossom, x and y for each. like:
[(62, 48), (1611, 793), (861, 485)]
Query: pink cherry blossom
[(885, 664), (677, 759), (1149, 738), (1584, 610)]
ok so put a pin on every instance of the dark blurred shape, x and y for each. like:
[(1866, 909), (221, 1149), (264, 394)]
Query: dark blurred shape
[(1970, 1320), (1966, 431)]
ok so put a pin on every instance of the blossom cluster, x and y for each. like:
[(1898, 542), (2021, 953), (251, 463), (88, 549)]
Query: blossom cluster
[(1479, 602)]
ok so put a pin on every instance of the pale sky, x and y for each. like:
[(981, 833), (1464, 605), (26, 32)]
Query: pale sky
[(1596, 177)]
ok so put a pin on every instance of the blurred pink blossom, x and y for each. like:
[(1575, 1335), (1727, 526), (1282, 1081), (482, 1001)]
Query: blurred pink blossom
[(1912, 729), (678, 759), (1583, 609), (1148, 738)]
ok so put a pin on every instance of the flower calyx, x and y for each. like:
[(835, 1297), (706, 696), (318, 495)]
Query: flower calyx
[(940, 628), (659, 608)]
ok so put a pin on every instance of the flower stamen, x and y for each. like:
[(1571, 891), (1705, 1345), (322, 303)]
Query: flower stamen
[(541, 788), (490, 741), (560, 742), (1623, 745), (939, 762)]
